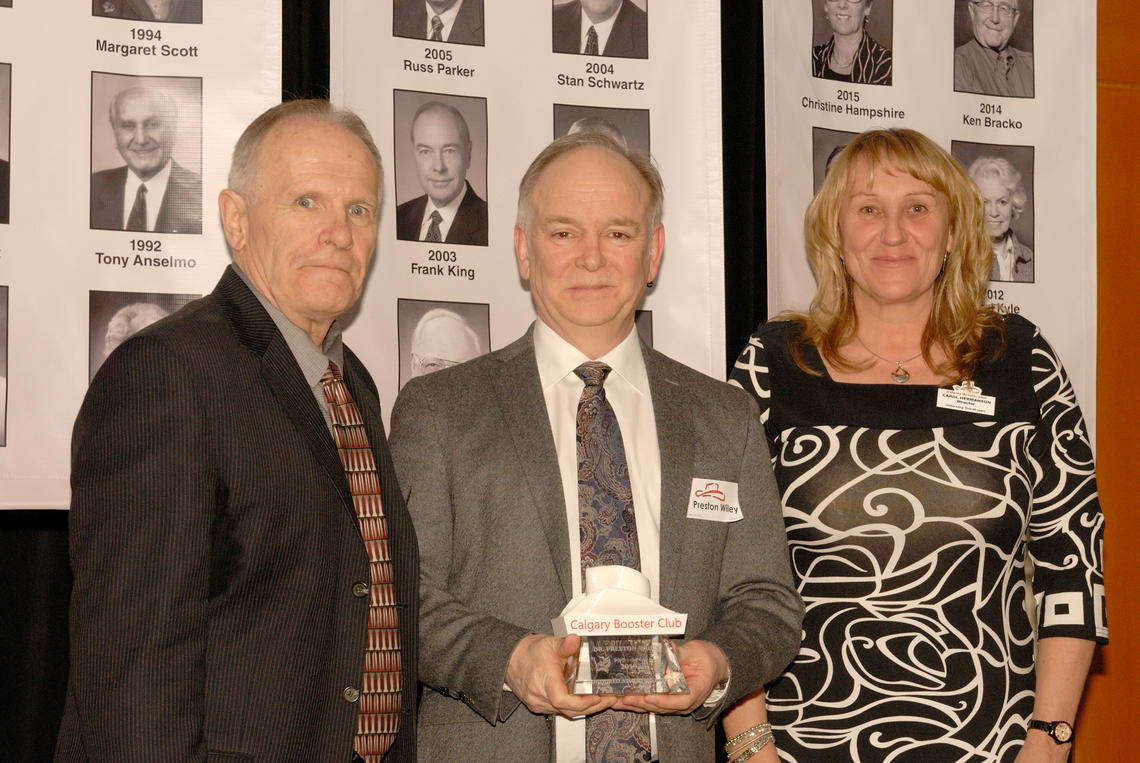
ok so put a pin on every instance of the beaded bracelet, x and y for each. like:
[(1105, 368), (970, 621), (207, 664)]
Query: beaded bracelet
[(743, 738)]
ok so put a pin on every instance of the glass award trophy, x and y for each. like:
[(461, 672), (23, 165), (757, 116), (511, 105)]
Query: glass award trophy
[(626, 647)]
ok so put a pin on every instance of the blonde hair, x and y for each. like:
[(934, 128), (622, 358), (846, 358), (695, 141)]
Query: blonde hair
[(958, 317)]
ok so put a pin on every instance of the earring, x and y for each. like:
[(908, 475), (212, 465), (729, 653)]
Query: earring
[(649, 284)]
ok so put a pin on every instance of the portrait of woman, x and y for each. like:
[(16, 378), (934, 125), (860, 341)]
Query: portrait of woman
[(1005, 198), (850, 54), (927, 449)]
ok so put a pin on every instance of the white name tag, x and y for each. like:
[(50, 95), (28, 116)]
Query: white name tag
[(714, 500), (967, 397)]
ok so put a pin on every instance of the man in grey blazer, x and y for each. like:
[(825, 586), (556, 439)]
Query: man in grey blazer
[(487, 452), (226, 583)]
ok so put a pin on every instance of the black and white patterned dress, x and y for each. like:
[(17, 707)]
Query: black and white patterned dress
[(909, 525)]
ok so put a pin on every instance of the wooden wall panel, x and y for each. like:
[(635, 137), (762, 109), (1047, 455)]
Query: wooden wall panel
[(1107, 722)]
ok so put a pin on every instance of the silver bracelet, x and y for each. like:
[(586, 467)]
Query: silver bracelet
[(753, 731), (759, 745)]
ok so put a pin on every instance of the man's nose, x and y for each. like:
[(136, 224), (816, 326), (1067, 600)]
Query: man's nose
[(339, 231)]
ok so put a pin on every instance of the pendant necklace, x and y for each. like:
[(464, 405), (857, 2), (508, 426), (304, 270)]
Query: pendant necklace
[(900, 375)]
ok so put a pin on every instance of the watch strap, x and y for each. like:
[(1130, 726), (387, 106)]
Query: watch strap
[(1060, 731)]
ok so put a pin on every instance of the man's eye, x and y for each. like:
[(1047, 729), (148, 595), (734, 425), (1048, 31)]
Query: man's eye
[(358, 210), (305, 202)]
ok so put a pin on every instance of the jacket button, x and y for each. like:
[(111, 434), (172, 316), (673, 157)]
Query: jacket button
[(350, 694), (359, 589)]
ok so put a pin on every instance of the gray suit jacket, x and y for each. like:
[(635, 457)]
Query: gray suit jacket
[(473, 446), (217, 613)]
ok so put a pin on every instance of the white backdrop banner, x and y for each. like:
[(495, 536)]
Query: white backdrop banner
[(92, 97), (1021, 117), (512, 77)]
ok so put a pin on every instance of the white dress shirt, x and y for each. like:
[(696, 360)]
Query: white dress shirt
[(447, 17), (447, 212), (602, 28), (627, 389), (155, 193), (1004, 257)]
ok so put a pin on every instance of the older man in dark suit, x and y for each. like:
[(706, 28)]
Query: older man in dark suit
[(578, 445), (151, 192), (459, 21), (245, 568), (615, 28)]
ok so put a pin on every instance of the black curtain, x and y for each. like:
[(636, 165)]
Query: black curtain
[(34, 575)]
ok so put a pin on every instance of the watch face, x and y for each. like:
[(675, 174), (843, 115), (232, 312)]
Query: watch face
[(1062, 731)]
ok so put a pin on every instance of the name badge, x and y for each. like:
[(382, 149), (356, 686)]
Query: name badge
[(967, 397), (714, 501)]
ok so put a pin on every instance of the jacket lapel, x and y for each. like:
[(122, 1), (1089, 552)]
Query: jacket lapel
[(283, 377), (673, 416), (523, 407)]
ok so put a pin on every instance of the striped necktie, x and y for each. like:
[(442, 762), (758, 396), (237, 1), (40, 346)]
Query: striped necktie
[(378, 719)]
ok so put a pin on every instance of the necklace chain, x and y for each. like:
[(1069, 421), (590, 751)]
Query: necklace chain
[(900, 375)]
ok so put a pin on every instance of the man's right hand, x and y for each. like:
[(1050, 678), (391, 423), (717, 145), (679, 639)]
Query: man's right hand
[(535, 675)]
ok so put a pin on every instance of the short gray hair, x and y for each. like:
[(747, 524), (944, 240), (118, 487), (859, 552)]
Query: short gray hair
[(243, 164), (642, 163)]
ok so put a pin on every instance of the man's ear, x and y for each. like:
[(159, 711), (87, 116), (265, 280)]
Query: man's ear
[(522, 253), (235, 218)]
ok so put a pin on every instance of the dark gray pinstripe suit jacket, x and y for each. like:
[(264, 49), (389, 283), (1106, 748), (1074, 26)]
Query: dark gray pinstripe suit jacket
[(215, 551)]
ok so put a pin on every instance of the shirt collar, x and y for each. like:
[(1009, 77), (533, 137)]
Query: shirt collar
[(447, 17), (557, 359), (449, 210), (313, 360), (602, 29), (155, 192)]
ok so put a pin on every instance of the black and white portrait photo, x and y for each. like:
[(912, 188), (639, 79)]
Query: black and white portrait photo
[(615, 28), (629, 127), (441, 168), (993, 53), (434, 335), (455, 21), (1004, 175), (173, 11), (5, 140), (825, 146), (114, 316), (851, 41), (146, 153)]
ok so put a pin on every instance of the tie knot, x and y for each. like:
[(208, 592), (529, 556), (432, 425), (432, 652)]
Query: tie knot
[(436, 217), (331, 374), (593, 373)]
